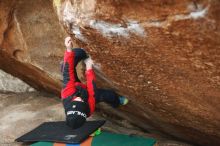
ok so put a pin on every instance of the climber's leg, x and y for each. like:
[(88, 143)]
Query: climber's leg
[(108, 96)]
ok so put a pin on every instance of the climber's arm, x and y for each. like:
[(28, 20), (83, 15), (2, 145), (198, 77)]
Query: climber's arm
[(91, 86), (68, 70)]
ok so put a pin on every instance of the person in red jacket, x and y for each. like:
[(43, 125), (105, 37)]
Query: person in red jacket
[(79, 99)]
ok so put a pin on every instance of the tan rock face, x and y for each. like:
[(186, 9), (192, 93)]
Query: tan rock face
[(164, 56), (31, 42)]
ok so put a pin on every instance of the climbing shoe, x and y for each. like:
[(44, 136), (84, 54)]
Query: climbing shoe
[(123, 100), (97, 132)]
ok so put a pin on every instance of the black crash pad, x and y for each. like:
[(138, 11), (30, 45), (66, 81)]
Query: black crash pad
[(60, 132)]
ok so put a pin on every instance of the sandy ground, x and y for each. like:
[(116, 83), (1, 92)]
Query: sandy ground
[(21, 112)]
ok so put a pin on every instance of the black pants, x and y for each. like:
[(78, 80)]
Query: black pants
[(108, 96)]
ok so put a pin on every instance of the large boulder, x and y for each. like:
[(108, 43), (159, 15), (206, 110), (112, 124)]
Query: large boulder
[(31, 42), (164, 56), (9, 83)]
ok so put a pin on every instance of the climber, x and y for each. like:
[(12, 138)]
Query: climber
[(79, 99)]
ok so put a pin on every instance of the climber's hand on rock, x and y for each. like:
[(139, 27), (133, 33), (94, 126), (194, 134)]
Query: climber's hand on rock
[(89, 63), (68, 44)]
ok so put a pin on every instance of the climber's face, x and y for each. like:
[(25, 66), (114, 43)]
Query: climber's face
[(68, 42)]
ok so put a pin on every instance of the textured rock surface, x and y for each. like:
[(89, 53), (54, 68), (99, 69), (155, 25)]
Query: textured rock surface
[(9, 83), (31, 45), (164, 56)]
